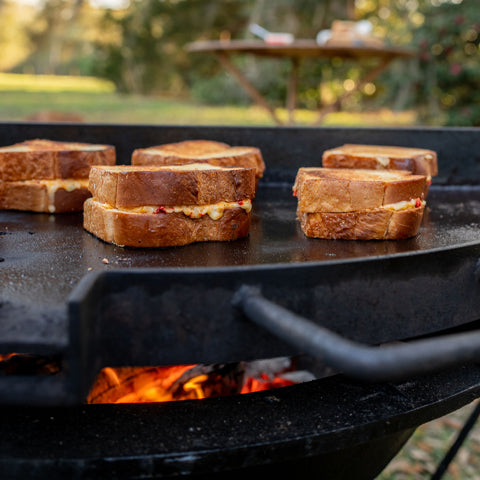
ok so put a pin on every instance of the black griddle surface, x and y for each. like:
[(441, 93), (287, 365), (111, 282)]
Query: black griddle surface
[(44, 256)]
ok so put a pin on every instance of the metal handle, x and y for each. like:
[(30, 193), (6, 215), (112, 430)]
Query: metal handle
[(387, 363)]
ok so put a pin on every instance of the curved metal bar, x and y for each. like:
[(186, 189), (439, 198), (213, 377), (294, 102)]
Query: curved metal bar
[(388, 363)]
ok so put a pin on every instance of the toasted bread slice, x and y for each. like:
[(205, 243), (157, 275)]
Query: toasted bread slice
[(47, 159), (49, 196), (333, 190), (192, 184), (375, 224), (131, 229), (419, 161), (201, 151)]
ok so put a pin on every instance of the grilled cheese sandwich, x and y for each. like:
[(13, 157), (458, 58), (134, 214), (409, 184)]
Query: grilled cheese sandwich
[(166, 206), (359, 204)]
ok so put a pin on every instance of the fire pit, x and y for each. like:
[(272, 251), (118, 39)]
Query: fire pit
[(85, 305)]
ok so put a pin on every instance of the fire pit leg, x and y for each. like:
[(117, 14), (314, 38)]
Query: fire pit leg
[(463, 434)]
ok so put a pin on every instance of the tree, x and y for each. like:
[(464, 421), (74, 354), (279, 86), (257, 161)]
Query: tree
[(60, 38), (149, 53), (449, 48), (443, 82)]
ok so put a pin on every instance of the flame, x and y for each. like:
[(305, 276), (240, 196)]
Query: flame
[(137, 384), (264, 383), (6, 356), (165, 384)]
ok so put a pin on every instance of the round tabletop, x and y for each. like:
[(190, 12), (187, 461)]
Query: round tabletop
[(298, 48)]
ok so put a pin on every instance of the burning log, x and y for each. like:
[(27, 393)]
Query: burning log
[(187, 382)]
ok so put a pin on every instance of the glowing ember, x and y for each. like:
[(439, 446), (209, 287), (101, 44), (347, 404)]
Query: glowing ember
[(188, 382), (6, 356), (29, 364)]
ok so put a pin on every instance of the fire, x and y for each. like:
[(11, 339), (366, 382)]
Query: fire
[(6, 356), (168, 383), (182, 382), (138, 385), (264, 383)]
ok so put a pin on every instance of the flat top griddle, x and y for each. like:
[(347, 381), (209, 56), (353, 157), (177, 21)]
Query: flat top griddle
[(44, 256)]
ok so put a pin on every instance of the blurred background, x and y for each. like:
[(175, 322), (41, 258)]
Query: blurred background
[(125, 61)]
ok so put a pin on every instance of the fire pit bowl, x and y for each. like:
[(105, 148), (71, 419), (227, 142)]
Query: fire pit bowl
[(86, 305)]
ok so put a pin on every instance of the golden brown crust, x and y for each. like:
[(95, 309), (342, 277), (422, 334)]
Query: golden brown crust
[(193, 184), (201, 151), (193, 147), (36, 197), (378, 224), (47, 159), (162, 230), (347, 190), (419, 161)]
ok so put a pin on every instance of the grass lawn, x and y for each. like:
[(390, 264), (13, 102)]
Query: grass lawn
[(95, 101), (110, 107)]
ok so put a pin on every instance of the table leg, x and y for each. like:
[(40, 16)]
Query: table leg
[(370, 76), (248, 87), (292, 90)]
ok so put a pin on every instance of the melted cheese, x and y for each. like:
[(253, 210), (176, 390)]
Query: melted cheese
[(214, 211), (383, 161), (404, 205), (52, 186)]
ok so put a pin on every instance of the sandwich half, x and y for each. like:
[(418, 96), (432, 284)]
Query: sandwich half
[(201, 151), (49, 176), (150, 206), (418, 161), (357, 204)]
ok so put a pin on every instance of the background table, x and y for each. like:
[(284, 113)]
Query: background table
[(295, 52)]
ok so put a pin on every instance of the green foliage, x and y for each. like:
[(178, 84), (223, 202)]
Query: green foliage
[(150, 56), (449, 46), (443, 82)]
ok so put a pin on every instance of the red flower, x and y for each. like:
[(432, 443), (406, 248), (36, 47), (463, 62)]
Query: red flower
[(423, 43), (448, 49), (455, 69), (425, 56)]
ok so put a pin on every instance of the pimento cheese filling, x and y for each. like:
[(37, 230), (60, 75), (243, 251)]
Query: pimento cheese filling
[(214, 211), (405, 204)]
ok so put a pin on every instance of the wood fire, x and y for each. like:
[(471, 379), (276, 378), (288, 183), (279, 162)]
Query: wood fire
[(191, 382)]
